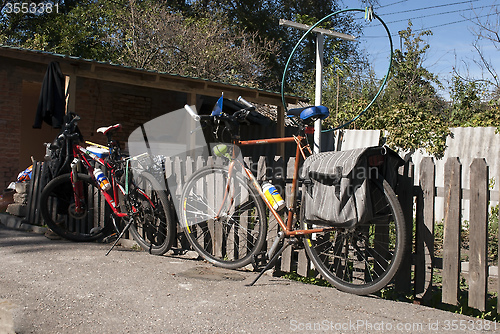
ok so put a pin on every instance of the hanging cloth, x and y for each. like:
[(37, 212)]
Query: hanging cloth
[(51, 103)]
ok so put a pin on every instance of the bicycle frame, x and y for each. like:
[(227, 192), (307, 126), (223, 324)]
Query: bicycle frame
[(82, 154), (302, 151)]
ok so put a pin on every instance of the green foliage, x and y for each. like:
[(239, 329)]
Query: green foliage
[(79, 29), (293, 276), (468, 107), (411, 127)]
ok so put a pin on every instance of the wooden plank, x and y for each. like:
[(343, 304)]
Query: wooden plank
[(452, 224), (34, 191), (177, 172), (425, 230), (278, 182), (405, 195), (262, 176), (200, 188), (280, 129), (37, 191), (180, 237), (440, 192), (478, 238), (262, 172), (303, 263), (287, 255)]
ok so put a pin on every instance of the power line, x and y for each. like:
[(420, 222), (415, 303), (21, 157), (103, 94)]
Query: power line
[(431, 7), (391, 4), (436, 14), (445, 24), (436, 26)]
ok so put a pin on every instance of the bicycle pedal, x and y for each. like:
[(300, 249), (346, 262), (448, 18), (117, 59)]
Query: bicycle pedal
[(110, 238), (259, 260)]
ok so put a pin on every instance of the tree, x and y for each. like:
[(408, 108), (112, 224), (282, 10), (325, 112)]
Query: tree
[(410, 109), (79, 29), (151, 36), (487, 29), (148, 34), (465, 100)]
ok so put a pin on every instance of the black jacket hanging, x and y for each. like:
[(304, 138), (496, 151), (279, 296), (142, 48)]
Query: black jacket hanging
[(51, 104)]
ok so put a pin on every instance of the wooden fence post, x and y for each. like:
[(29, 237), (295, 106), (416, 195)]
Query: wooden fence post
[(286, 257), (478, 238), (177, 171), (405, 195), (262, 176), (34, 192), (425, 229), (182, 242), (278, 181), (452, 226)]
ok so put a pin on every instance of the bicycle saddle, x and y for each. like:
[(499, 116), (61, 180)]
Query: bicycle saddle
[(320, 112), (109, 129)]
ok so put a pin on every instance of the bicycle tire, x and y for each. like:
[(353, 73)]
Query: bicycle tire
[(362, 260), (153, 228), (231, 240), (57, 209)]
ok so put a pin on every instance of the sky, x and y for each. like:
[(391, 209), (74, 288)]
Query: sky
[(451, 45)]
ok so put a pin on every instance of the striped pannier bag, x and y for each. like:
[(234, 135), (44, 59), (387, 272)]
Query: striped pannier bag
[(336, 187)]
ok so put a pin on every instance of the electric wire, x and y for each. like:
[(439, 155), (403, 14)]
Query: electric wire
[(430, 7), (391, 4), (435, 14)]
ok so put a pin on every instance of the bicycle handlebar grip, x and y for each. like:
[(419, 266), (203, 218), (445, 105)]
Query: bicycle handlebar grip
[(191, 112), (245, 102)]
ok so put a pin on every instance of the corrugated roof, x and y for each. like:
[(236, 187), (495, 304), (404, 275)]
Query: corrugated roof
[(92, 61)]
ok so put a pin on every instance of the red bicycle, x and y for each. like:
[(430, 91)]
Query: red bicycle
[(71, 204)]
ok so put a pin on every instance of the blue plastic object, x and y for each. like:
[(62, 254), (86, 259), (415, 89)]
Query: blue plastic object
[(320, 112)]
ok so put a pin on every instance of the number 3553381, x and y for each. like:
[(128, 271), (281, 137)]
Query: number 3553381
[(30, 8)]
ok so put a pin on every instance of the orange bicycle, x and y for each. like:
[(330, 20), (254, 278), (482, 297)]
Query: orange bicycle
[(223, 209)]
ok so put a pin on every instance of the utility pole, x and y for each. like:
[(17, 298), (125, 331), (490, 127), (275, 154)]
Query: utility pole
[(320, 33)]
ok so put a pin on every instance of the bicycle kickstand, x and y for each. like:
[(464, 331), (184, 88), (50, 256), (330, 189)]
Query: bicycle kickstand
[(271, 262), (121, 234)]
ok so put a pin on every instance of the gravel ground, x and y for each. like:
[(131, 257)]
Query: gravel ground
[(56, 286)]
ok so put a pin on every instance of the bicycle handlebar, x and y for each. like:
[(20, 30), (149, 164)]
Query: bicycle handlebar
[(238, 116), (245, 102), (192, 113), (68, 133)]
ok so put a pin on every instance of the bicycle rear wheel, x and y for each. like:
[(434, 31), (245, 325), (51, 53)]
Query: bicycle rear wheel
[(153, 228), (57, 206), (223, 219), (364, 259)]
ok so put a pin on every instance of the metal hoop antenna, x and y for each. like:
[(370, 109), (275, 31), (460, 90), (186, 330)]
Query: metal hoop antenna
[(304, 36)]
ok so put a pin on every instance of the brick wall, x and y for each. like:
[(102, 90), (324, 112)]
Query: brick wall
[(10, 121), (103, 103), (99, 103)]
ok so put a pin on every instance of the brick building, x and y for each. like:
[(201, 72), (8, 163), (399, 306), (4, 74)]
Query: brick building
[(102, 94)]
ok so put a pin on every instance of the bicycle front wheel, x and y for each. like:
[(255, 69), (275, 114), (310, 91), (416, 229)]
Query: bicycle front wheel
[(58, 209), (364, 259), (223, 218), (153, 228)]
